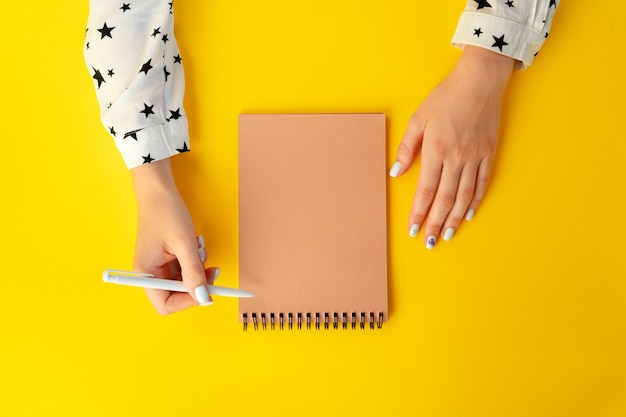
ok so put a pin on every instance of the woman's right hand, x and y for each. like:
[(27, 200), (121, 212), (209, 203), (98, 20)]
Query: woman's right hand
[(166, 243)]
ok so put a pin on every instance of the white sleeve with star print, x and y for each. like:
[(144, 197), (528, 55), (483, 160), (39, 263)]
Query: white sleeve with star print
[(133, 58), (515, 28)]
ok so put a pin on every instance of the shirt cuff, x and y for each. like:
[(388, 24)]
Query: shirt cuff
[(505, 37), (154, 143)]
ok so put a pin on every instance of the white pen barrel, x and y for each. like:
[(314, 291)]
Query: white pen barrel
[(229, 292), (156, 283), (147, 281)]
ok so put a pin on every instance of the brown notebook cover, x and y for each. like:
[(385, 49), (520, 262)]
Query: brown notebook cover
[(312, 220)]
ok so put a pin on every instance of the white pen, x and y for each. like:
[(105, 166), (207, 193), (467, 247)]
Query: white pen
[(137, 279)]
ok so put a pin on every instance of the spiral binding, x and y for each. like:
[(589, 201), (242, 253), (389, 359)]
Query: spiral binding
[(299, 319)]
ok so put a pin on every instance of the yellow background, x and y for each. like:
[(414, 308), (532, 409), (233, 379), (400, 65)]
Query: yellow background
[(522, 314)]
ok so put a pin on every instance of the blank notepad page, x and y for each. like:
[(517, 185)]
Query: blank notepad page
[(312, 218)]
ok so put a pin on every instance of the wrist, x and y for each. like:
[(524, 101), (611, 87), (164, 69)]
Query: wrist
[(153, 181), (487, 67)]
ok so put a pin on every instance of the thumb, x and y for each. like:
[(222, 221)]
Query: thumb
[(192, 271), (409, 146)]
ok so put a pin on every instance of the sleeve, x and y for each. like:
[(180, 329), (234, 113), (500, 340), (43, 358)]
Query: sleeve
[(131, 54), (515, 28)]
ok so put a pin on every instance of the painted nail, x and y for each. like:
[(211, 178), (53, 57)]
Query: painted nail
[(201, 250), (414, 229), (430, 242), (216, 274), (395, 169), (202, 295), (448, 234), (470, 215)]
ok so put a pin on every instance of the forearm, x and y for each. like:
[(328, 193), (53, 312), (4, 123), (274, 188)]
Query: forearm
[(132, 55)]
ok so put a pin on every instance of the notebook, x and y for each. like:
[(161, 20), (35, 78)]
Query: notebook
[(312, 221)]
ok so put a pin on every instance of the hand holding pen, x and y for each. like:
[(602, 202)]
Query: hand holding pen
[(166, 244), (138, 279), (149, 281), (170, 286)]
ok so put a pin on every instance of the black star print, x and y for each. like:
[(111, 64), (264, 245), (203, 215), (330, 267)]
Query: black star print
[(184, 148), (125, 6), (164, 38), (106, 31), (175, 114), (146, 67), (111, 73), (478, 32), (87, 45), (178, 59), (509, 3), (147, 159), (552, 3), (166, 73), (98, 77), (482, 3), (132, 134), (112, 131), (156, 32), (499, 42), (147, 110)]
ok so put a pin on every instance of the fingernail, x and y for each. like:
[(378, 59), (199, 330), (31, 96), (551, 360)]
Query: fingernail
[(395, 169), (216, 274), (414, 229), (470, 215), (201, 250), (430, 242), (448, 234), (202, 295)]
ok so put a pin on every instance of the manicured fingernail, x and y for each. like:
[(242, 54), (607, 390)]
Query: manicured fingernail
[(395, 169), (430, 242), (202, 295), (201, 250), (470, 215), (216, 274), (414, 229), (448, 234)]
